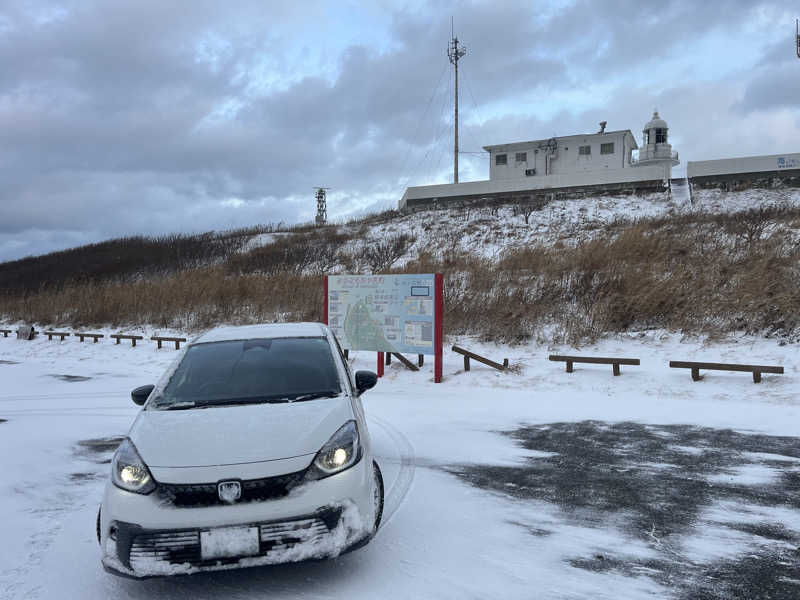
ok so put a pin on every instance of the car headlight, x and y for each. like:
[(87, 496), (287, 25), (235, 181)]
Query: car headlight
[(340, 452), (128, 470)]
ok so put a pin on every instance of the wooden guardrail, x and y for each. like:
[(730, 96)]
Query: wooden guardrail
[(160, 339), (420, 358), (615, 362), (83, 334), (61, 334), (756, 370), (471, 355), (124, 336), (409, 365), (5, 332)]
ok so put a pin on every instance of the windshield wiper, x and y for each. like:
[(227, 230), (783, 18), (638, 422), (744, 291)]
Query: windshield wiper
[(255, 400), (177, 406), (314, 396)]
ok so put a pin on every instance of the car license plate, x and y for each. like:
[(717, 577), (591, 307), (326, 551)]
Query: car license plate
[(228, 542)]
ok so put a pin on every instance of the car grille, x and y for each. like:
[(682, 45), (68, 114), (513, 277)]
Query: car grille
[(183, 547), (205, 494)]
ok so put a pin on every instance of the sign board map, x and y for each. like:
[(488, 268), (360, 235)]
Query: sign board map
[(383, 313)]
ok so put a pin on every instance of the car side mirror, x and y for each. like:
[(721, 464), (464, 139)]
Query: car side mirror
[(140, 394), (365, 380)]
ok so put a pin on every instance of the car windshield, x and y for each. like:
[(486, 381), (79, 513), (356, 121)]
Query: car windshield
[(251, 371)]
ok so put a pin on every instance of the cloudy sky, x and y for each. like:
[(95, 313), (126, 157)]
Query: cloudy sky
[(121, 118)]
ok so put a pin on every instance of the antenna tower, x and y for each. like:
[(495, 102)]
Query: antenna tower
[(322, 206), (797, 35), (454, 52)]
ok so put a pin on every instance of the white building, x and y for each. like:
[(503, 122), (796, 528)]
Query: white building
[(562, 155), (564, 163)]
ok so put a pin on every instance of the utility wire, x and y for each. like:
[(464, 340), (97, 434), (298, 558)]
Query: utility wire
[(435, 92), (443, 122)]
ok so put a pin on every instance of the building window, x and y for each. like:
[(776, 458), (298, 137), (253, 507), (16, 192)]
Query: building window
[(522, 157), (500, 159), (607, 148), (661, 136), (530, 172), (584, 150)]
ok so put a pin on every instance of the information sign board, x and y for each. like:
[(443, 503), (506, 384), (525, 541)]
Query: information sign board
[(386, 313)]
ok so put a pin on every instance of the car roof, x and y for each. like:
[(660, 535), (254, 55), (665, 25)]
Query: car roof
[(271, 330)]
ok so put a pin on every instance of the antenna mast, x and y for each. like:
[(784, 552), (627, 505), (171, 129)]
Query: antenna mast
[(322, 207), (454, 52), (797, 34)]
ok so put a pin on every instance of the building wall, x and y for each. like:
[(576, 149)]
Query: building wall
[(746, 164), (489, 187), (567, 159)]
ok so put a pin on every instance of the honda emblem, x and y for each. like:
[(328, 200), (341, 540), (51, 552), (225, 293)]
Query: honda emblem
[(229, 491)]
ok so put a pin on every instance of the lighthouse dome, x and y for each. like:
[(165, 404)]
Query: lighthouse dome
[(656, 122)]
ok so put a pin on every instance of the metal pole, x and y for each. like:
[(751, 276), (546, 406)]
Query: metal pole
[(454, 52), (455, 146)]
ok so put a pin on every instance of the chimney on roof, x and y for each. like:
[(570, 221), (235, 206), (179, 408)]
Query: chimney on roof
[(602, 127)]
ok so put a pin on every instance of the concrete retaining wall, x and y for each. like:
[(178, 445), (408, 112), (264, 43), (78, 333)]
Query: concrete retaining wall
[(623, 188), (615, 178)]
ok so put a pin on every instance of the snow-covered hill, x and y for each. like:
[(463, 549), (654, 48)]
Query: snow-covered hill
[(489, 231)]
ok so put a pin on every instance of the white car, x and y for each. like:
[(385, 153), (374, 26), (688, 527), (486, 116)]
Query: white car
[(252, 449)]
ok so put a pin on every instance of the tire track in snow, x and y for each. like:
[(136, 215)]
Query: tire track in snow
[(396, 494)]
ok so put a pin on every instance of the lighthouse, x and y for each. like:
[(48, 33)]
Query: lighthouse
[(656, 149)]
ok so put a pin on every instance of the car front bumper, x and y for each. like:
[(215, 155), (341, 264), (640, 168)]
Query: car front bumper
[(142, 536)]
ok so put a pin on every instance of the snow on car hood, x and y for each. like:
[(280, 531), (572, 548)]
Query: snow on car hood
[(226, 435)]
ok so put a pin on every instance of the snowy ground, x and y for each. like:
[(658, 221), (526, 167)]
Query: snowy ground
[(538, 484)]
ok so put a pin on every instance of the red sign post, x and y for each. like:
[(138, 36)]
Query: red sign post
[(438, 324)]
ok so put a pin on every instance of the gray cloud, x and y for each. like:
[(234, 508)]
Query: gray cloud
[(151, 117)]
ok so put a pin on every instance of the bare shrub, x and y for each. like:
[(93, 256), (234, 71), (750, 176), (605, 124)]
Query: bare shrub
[(316, 251), (527, 206), (749, 226), (382, 254)]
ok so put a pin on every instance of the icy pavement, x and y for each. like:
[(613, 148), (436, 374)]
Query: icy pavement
[(539, 484)]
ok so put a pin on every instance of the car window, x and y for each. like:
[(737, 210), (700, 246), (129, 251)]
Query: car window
[(265, 369)]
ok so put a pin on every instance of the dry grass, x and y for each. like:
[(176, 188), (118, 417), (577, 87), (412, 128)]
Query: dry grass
[(694, 273)]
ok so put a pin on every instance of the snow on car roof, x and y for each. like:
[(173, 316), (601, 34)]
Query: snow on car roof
[(271, 330)]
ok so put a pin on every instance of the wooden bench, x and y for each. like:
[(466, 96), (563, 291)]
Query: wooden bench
[(61, 334), (83, 334), (756, 370), (402, 359), (125, 336), (5, 332), (595, 360), (467, 355), (160, 339)]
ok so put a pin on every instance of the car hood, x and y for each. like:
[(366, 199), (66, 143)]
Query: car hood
[(227, 435)]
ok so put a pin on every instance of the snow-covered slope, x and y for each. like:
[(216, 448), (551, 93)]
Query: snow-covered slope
[(489, 231)]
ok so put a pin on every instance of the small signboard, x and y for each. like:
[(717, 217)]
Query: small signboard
[(387, 313), (788, 162)]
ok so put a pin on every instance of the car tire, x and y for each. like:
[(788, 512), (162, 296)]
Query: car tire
[(378, 494), (98, 525)]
